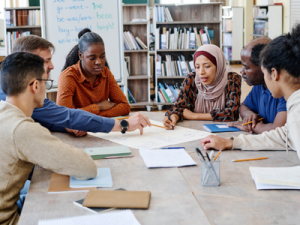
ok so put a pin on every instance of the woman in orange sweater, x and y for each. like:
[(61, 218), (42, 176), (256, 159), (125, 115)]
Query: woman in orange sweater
[(87, 83)]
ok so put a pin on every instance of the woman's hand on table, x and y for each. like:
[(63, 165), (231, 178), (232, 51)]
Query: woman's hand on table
[(170, 124), (105, 105)]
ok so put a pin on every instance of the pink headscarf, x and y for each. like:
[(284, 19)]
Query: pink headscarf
[(212, 96)]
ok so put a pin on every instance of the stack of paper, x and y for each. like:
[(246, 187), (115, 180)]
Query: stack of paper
[(106, 152), (167, 158), (276, 178), (103, 179)]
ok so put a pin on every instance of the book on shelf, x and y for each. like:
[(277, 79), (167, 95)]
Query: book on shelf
[(131, 99), (172, 67), (12, 36), (228, 53), (182, 38), (163, 14), (227, 38), (28, 17), (132, 43), (227, 12), (260, 12), (167, 93), (261, 27), (227, 25)]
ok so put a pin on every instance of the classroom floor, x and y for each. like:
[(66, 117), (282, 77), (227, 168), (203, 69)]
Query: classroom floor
[(232, 68)]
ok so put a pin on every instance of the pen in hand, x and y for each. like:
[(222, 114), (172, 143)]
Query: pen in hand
[(171, 121)]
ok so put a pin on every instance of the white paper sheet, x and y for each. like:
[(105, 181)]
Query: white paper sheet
[(154, 137), (222, 126), (276, 177), (166, 158)]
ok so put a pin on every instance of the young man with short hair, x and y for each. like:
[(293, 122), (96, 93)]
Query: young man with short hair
[(259, 103), (59, 118), (25, 143)]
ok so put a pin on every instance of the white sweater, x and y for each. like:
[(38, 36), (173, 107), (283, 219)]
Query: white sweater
[(279, 139), (24, 143)]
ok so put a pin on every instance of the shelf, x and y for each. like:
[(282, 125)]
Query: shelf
[(263, 18), (187, 22), (227, 17), (136, 51), (227, 32), (176, 50), (30, 7), (129, 5), (152, 52), (258, 35), (226, 45), (171, 77), (135, 23), (22, 27), (141, 103), (163, 103), (138, 77)]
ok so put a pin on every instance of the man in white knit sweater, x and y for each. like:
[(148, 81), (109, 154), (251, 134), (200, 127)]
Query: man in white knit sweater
[(25, 143)]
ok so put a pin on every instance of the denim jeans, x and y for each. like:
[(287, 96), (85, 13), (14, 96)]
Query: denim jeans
[(23, 194)]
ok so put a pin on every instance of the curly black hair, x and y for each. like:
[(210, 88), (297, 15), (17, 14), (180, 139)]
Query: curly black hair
[(283, 53), (255, 52), (85, 38)]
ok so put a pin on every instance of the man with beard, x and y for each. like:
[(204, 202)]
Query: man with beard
[(259, 103)]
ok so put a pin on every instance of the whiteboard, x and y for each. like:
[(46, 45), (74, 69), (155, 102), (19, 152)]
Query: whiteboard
[(63, 19)]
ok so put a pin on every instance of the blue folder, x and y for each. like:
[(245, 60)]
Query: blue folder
[(214, 128)]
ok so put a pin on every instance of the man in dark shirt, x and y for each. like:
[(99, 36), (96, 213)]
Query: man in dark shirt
[(259, 103)]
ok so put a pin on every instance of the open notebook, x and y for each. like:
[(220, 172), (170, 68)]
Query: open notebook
[(276, 177), (120, 217)]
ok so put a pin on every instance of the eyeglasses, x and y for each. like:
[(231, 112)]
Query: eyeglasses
[(48, 83)]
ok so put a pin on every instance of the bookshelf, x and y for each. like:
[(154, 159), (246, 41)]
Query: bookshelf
[(267, 21), (197, 16), (232, 31), (138, 82), (20, 18)]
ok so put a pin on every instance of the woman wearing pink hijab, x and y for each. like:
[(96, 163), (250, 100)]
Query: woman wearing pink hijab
[(210, 94)]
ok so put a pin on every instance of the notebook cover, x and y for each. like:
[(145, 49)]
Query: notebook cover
[(215, 129), (96, 209), (101, 153), (103, 179), (118, 199), (60, 183)]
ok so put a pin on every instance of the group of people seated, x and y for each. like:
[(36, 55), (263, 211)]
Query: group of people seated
[(88, 95)]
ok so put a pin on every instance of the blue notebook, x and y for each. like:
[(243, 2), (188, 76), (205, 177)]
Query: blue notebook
[(215, 128), (102, 180)]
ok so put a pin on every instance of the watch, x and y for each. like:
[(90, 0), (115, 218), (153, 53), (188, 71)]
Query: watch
[(124, 125)]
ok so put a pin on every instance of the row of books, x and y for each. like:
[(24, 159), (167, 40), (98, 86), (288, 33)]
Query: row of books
[(167, 93), (178, 38), (227, 25), (163, 14), (228, 53), (227, 38), (22, 18), (173, 67), (259, 12), (12, 36), (261, 27), (129, 95), (132, 43)]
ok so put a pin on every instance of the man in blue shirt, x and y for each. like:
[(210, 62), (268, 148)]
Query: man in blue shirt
[(58, 118), (259, 103)]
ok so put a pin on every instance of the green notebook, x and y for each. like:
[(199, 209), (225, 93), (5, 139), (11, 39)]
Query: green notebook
[(101, 153)]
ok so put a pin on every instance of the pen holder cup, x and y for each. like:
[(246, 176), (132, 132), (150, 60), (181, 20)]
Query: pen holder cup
[(210, 173)]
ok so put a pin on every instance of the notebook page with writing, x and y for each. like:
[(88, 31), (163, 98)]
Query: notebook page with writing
[(121, 217)]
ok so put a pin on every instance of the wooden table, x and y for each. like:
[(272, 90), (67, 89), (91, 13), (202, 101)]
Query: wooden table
[(177, 194)]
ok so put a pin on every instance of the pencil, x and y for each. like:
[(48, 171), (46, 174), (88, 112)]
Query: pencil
[(217, 155), (122, 118), (157, 126), (171, 121), (251, 121), (242, 160)]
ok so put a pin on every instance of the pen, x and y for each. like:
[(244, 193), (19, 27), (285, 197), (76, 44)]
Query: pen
[(199, 153), (170, 120), (173, 148), (123, 118), (251, 121), (242, 160), (207, 156), (115, 157)]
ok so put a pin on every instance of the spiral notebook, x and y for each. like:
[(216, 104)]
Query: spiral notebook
[(120, 217)]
